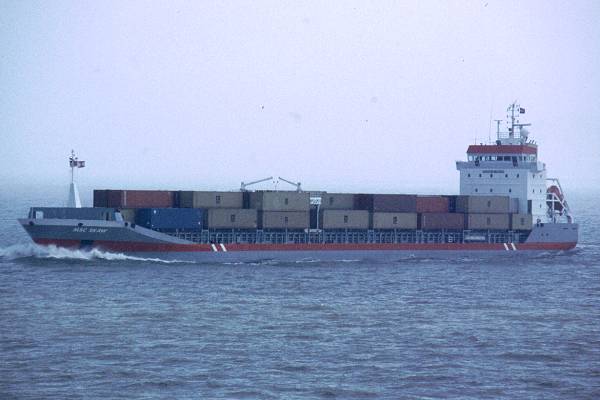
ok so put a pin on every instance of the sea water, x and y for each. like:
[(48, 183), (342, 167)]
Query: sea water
[(77, 324)]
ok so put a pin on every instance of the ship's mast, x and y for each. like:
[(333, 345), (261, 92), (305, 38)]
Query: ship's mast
[(513, 113), (74, 200)]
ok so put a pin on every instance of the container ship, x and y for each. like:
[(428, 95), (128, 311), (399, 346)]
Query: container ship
[(506, 204)]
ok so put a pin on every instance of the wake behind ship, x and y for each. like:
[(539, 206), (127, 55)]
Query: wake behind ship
[(506, 204)]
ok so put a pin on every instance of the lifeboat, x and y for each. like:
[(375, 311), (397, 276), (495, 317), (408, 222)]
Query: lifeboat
[(555, 198)]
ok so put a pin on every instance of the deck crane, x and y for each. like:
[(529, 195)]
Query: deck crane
[(245, 185), (297, 184)]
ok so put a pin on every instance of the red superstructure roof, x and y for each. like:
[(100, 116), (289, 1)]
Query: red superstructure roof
[(502, 149)]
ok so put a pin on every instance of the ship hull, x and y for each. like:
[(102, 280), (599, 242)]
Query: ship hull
[(118, 237)]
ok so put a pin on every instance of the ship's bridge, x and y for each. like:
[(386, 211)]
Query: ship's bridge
[(523, 156), (503, 152)]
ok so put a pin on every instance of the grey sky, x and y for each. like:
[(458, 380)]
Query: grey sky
[(367, 96)]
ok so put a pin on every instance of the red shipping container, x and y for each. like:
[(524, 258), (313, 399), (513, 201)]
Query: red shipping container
[(148, 198), (432, 204), (114, 198), (100, 198), (435, 221), (139, 198)]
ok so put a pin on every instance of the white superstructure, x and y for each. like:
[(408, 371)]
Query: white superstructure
[(510, 167)]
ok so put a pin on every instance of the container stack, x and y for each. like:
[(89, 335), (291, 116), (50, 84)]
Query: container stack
[(434, 214), (281, 210), (485, 212), (290, 210)]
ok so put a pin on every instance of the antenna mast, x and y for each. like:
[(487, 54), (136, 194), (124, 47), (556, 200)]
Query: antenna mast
[(74, 200)]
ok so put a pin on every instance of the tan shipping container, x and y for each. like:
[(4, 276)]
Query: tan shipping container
[(522, 222), (337, 201), (232, 218), (284, 219), (345, 219), (483, 204), (389, 220), (488, 221), (209, 199), (280, 201)]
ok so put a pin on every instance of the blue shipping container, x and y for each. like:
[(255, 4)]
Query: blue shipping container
[(189, 219)]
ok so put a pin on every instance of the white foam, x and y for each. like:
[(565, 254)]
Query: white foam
[(52, 252)]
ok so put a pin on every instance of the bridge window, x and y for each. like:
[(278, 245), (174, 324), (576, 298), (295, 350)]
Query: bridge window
[(469, 175), (506, 175), (480, 175), (491, 190), (476, 190), (218, 199), (518, 175), (491, 175), (509, 190)]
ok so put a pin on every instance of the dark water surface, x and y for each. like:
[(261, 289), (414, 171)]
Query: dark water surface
[(95, 325)]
